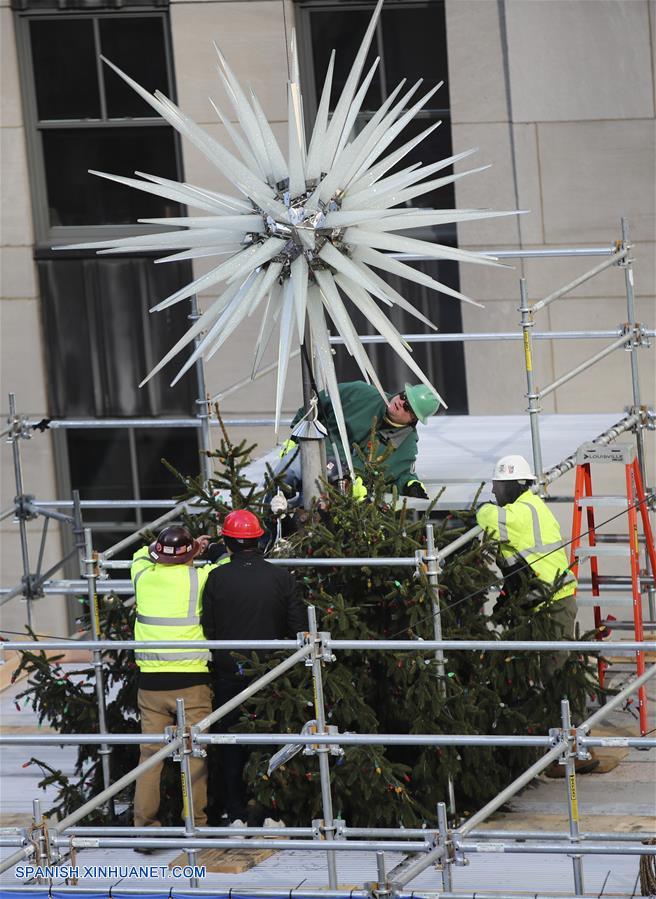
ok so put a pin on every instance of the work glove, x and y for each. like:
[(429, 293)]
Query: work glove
[(287, 447), (358, 489), (416, 489)]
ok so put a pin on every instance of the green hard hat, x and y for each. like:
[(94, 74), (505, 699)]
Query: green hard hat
[(422, 400)]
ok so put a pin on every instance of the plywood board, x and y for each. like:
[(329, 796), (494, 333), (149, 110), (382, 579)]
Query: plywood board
[(226, 861)]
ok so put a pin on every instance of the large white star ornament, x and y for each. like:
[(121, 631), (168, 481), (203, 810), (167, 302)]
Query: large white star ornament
[(307, 226)]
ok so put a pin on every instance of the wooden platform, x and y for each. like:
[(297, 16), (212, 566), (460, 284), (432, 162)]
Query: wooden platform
[(226, 861)]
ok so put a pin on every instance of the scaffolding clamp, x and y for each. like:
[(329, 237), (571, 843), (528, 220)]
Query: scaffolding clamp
[(19, 428), (427, 564), (32, 586), (24, 510), (579, 746), (198, 751), (459, 859), (319, 829), (635, 335), (171, 733), (558, 737), (314, 748), (321, 648)]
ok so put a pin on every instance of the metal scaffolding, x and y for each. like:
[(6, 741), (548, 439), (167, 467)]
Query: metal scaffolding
[(444, 847)]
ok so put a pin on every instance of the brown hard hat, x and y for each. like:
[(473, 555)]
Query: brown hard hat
[(174, 546)]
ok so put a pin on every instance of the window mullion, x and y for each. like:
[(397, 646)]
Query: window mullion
[(382, 74), (99, 69)]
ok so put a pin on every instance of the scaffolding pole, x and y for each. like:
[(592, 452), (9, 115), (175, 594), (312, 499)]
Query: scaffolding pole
[(412, 870), (627, 265), (202, 405), (316, 660), (99, 679), (17, 432)]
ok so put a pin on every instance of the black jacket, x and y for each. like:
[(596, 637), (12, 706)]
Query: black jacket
[(249, 599)]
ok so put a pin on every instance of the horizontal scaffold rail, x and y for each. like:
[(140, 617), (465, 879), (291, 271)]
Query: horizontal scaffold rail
[(627, 647), (344, 739)]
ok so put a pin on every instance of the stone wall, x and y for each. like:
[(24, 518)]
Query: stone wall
[(559, 96), (22, 369)]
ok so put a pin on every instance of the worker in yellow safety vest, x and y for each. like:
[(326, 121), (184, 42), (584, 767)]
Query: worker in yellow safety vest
[(169, 593), (530, 544)]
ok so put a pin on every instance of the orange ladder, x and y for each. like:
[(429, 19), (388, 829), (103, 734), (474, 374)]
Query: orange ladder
[(635, 504)]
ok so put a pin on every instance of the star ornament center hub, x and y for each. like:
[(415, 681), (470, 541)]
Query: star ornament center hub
[(304, 229)]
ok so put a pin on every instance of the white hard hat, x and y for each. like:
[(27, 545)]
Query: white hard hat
[(513, 468)]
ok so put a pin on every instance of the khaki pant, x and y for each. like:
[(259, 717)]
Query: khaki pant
[(563, 612), (157, 710)]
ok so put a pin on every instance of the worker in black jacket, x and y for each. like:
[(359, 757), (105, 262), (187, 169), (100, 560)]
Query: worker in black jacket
[(245, 599)]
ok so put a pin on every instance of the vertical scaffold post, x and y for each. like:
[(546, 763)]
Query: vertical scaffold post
[(572, 800), (433, 569), (202, 405), (187, 795), (311, 445), (627, 265), (78, 530), (91, 575), (531, 394), (22, 528), (41, 854), (322, 751), (442, 823)]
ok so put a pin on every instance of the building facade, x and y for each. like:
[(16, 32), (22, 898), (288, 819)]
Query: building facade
[(557, 94)]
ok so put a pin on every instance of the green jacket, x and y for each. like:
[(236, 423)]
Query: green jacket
[(361, 404)]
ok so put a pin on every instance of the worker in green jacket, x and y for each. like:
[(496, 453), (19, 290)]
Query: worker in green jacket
[(530, 543), (396, 426)]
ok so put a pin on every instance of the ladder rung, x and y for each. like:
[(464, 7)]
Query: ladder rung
[(615, 538), (607, 549), (620, 669), (607, 599), (603, 501)]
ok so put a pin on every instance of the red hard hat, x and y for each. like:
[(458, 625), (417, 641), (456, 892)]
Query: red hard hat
[(174, 546), (242, 525)]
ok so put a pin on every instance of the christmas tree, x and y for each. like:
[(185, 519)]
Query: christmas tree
[(399, 691), (365, 692)]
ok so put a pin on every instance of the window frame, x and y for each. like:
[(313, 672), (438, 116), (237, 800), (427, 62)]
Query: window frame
[(303, 10), (46, 235)]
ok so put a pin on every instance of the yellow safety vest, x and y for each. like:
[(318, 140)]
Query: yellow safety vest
[(169, 601), (527, 531)]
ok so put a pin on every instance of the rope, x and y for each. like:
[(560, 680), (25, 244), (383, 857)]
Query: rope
[(648, 872)]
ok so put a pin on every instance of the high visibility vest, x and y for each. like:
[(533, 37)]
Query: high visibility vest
[(168, 608), (528, 532)]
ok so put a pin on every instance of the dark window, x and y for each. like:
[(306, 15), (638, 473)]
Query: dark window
[(102, 341), (411, 42), (77, 198), (65, 77), (342, 30), (126, 464), (136, 46), (86, 117)]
